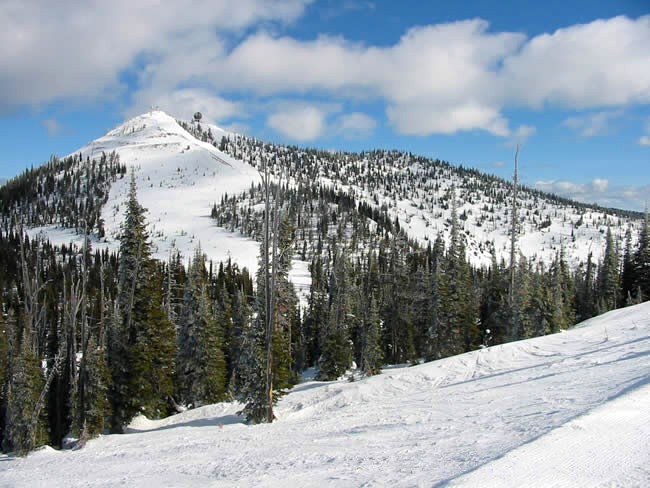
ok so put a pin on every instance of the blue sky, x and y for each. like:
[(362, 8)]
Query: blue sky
[(462, 81)]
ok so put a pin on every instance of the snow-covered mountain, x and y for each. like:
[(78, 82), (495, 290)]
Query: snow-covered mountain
[(182, 173), (178, 179), (564, 410)]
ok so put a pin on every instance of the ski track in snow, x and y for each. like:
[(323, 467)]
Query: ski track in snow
[(565, 410)]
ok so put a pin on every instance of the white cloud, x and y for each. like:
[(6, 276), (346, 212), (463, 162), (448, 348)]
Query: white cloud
[(52, 126), (184, 103), (355, 125), (436, 79), (68, 49), (299, 122), (442, 78), (521, 135), (599, 191), (568, 188), (592, 124), (603, 63)]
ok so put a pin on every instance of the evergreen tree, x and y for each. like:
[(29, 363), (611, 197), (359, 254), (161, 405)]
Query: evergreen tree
[(608, 276), (97, 382), (317, 312), (336, 353), (642, 263), (24, 388), (461, 307), (251, 378), (585, 298), (627, 273), (142, 339), (201, 363), (372, 356), (4, 369), (522, 325)]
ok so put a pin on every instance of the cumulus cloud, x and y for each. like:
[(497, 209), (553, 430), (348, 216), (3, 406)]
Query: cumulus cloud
[(184, 103), (69, 49), (299, 122), (355, 125), (592, 124), (602, 63), (443, 78), (436, 79)]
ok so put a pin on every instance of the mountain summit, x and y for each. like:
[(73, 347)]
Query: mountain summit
[(179, 177)]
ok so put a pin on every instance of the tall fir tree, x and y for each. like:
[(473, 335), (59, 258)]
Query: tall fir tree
[(642, 262), (4, 368), (201, 366), (336, 352), (24, 388), (609, 277), (142, 340)]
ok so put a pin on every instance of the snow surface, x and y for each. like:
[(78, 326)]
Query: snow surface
[(179, 178), (565, 410)]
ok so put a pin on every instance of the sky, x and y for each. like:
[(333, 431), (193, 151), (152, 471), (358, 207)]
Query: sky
[(466, 81)]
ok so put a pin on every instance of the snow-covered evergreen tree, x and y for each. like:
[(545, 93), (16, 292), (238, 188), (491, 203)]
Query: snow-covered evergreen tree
[(201, 367)]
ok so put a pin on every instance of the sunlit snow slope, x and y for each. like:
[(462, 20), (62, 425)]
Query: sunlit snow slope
[(568, 410), (179, 178)]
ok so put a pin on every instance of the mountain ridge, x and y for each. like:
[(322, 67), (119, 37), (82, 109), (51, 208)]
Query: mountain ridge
[(182, 169)]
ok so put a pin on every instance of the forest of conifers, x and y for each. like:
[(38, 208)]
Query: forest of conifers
[(91, 338)]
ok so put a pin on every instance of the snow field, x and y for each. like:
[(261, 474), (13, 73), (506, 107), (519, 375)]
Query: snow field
[(566, 410)]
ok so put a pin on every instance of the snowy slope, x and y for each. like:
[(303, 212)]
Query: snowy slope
[(567, 410), (179, 178)]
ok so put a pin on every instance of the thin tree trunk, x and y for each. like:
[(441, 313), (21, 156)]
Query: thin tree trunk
[(513, 235)]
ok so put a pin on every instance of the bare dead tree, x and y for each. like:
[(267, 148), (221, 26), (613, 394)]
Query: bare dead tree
[(513, 230), (270, 259)]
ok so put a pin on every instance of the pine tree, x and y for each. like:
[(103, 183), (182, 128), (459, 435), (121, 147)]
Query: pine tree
[(642, 263), (201, 363), (336, 353), (627, 273), (461, 307), (25, 385), (438, 324), (251, 378), (585, 298), (97, 382), (142, 339), (317, 312), (522, 302), (608, 277), (372, 356), (4, 369)]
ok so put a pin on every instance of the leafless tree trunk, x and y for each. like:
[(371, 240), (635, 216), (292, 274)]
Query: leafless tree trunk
[(270, 246), (513, 231)]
